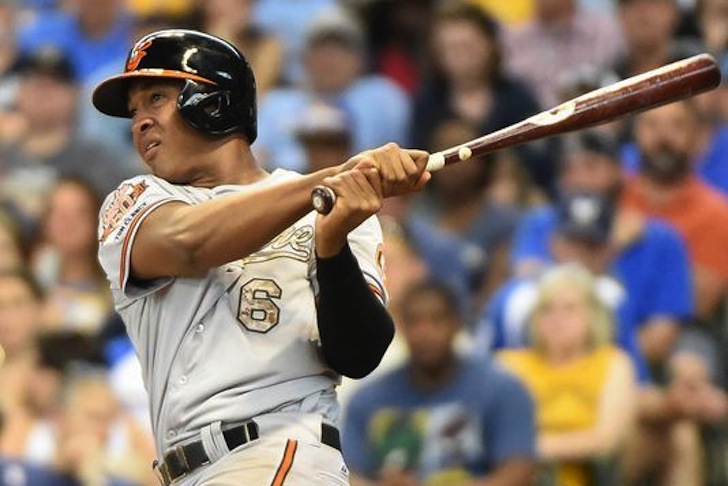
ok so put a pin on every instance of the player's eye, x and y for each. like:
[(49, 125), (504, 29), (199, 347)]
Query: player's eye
[(156, 97)]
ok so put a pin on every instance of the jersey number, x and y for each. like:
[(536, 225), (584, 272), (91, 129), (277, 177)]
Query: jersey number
[(257, 310)]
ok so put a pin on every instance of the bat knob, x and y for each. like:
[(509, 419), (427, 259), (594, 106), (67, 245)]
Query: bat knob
[(323, 199)]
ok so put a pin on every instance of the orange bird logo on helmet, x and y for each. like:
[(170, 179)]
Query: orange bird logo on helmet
[(137, 54)]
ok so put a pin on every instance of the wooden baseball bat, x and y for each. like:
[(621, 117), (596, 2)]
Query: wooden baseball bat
[(666, 84)]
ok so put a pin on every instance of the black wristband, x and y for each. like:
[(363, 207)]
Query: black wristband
[(354, 326)]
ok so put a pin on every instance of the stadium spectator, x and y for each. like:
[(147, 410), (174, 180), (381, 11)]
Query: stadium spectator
[(464, 236), (20, 308), (324, 130), (91, 33), (397, 37), (233, 20), (644, 250), (65, 262), (49, 146), (56, 353), (581, 236), (95, 442), (562, 37), (15, 472), (334, 60), (668, 188), (468, 83), (440, 418), (289, 22), (712, 18), (584, 387), (650, 29)]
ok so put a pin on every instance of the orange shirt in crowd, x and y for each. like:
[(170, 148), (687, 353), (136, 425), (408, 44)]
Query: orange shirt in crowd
[(698, 212)]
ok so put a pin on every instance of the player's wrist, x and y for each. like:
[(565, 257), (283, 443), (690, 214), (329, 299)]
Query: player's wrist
[(329, 245)]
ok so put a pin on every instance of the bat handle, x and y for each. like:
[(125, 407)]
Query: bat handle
[(323, 198)]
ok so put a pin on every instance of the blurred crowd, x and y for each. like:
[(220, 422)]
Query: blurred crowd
[(561, 306)]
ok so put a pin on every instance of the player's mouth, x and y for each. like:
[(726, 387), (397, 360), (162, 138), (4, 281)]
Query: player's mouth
[(150, 149)]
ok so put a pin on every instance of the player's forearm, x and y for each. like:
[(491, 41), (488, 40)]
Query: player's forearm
[(354, 327), (229, 228)]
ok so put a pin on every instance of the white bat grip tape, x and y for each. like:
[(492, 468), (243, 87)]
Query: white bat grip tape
[(435, 162)]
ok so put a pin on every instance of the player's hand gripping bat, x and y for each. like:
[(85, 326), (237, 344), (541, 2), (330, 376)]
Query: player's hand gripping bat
[(672, 82)]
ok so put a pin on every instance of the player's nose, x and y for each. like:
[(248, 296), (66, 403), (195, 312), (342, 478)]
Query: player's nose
[(141, 125)]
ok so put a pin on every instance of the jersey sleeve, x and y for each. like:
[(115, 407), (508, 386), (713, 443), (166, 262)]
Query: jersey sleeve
[(120, 217), (366, 244)]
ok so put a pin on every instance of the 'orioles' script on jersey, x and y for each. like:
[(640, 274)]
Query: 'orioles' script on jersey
[(257, 315)]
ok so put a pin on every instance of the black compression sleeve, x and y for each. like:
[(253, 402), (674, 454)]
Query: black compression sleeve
[(354, 326)]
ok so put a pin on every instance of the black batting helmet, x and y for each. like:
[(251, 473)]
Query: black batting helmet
[(218, 96)]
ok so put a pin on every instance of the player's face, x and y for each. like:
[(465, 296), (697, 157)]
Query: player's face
[(168, 145)]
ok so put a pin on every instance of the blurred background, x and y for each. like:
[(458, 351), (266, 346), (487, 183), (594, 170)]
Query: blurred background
[(615, 238)]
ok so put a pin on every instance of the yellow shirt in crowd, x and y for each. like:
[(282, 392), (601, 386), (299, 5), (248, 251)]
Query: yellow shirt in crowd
[(510, 12), (566, 397), (166, 7)]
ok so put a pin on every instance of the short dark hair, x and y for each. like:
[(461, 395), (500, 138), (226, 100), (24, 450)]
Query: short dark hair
[(593, 142), (431, 286)]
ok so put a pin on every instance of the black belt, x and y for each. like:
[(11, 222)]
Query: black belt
[(183, 459)]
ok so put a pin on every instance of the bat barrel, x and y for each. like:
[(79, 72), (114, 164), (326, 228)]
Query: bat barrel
[(667, 84)]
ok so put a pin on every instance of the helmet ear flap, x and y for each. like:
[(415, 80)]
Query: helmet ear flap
[(207, 108)]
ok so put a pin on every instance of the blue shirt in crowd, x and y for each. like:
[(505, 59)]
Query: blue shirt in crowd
[(480, 418), (642, 266), (64, 31)]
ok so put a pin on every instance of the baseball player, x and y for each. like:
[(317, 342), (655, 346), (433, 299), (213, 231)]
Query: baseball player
[(244, 306)]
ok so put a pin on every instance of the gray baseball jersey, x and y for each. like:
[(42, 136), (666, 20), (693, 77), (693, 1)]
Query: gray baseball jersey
[(238, 342)]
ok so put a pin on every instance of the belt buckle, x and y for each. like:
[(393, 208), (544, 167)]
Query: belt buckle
[(180, 453), (184, 466), (175, 460), (161, 473)]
